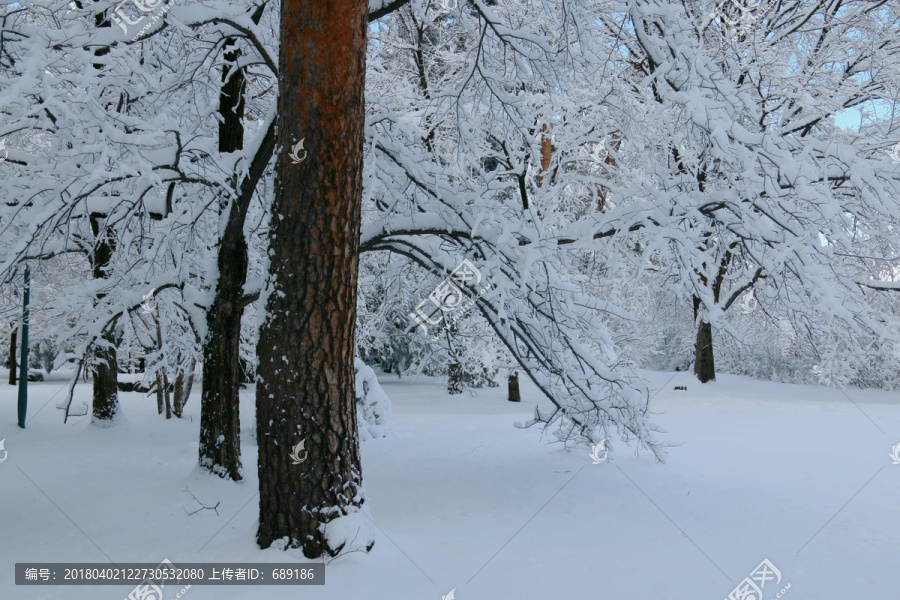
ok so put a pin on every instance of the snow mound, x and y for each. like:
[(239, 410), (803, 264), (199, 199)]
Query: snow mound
[(349, 533), (78, 409), (373, 407)]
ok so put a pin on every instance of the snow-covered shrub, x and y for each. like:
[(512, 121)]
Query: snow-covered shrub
[(373, 407)]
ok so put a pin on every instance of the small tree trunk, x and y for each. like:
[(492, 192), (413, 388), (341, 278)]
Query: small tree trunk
[(168, 395), (455, 379), (47, 361), (106, 385), (704, 362), (220, 426), (183, 383), (514, 387), (12, 355), (159, 393), (106, 379), (546, 149), (178, 394), (192, 366)]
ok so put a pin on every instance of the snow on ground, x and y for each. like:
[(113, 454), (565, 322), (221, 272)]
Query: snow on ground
[(461, 499)]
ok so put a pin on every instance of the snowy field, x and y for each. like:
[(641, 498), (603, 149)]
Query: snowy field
[(463, 500)]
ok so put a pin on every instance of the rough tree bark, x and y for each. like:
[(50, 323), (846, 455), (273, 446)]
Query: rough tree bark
[(220, 426), (305, 385)]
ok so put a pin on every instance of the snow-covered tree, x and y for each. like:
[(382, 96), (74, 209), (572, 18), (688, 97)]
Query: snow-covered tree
[(731, 162)]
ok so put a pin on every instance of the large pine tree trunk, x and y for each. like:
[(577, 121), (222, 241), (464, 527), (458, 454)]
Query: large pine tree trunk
[(704, 361), (305, 383), (12, 355)]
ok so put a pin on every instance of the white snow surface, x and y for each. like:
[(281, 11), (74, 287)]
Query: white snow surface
[(459, 498)]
